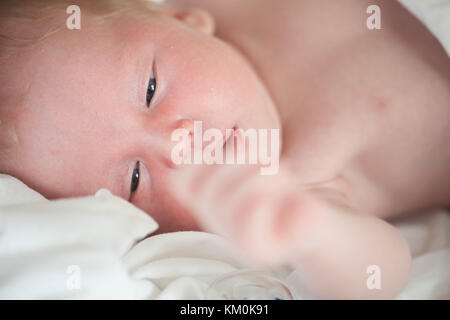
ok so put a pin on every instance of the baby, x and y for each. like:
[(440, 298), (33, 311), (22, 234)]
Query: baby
[(364, 116)]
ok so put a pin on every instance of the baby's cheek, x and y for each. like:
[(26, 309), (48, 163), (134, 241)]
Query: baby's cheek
[(173, 217), (169, 213)]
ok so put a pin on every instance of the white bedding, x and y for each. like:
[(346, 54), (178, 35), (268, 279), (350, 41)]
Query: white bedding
[(40, 240), (435, 15)]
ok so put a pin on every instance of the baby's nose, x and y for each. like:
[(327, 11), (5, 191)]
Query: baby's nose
[(186, 124)]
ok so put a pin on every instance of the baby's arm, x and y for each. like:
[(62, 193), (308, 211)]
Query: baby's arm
[(331, 245), (341, 246)]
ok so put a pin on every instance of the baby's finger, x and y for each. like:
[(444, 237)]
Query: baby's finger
[(273, 225)]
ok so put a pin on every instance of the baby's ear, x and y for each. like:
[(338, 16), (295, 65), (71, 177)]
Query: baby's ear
[(195, 18)]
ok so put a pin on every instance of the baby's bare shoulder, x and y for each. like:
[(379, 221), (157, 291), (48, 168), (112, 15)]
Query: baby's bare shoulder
[(372, 108)]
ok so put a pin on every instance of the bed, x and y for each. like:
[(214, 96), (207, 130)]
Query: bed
[(101, 247)]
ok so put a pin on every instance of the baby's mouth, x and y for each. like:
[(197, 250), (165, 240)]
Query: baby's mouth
[(228, 135)]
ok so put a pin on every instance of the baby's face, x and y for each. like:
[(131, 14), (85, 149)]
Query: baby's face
[(86, 122)]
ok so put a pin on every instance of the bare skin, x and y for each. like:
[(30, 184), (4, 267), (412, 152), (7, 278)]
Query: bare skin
[(359, 83), (364, 115)]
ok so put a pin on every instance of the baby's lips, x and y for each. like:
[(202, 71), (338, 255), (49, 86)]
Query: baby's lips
[(234, 138)]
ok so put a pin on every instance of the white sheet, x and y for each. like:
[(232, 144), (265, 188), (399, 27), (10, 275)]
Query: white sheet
[(428, 235), (41, 239), (435, 15)]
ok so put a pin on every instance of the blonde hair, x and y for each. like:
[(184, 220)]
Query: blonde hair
[(47, 15), (27, 23)]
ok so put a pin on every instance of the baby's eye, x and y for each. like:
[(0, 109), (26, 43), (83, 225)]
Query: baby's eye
[(151, 89), (135, 178)]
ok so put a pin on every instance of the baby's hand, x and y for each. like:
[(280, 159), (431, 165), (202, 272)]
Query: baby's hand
[(276, 221), (259, 213)]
